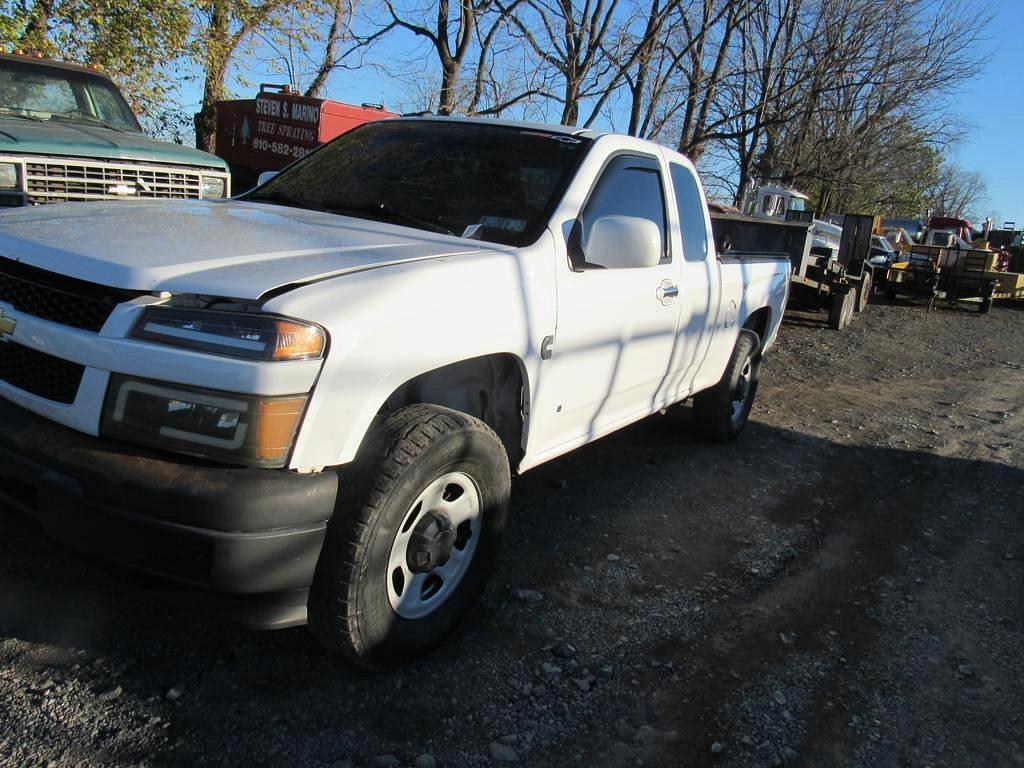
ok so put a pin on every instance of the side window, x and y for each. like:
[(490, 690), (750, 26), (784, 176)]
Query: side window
[(629, 186), (691, 214)]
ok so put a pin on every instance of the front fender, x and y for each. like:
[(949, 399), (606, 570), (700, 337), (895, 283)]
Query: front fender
[(390, 325)]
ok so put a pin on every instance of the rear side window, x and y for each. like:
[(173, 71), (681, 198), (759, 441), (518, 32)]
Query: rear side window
[(691, 214), (629, 186)]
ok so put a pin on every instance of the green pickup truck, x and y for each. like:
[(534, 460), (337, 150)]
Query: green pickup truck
[(67, 134)]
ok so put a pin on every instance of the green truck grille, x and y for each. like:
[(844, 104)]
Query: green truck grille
[(61, 181)]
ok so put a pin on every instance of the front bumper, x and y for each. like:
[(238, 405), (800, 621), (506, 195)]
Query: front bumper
[(245, 540)]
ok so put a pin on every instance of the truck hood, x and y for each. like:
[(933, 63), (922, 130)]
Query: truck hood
[(232, 248), (67, 139)]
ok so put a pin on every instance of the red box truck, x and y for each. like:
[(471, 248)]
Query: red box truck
[(280, 126)]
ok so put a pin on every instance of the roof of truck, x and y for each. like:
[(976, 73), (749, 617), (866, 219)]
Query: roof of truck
[(28, 58), (568, 130)]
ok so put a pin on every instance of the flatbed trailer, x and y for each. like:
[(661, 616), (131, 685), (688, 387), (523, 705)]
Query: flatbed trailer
[(842, 283), (953, 275)]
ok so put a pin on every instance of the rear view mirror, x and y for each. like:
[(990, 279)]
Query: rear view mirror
[(623, 242)]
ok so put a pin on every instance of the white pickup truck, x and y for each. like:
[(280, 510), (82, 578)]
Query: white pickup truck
[(305, 403)]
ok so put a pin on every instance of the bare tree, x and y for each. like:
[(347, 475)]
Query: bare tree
[(574, 43), (957, 192)]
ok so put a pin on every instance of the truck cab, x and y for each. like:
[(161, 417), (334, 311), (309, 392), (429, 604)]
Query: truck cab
[(774, 202), (67, 134)]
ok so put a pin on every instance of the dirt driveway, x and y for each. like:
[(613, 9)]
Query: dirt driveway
[(842, 586)]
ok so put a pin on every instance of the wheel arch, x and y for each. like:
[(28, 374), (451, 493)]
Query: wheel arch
[(759, 321), (493, 388)]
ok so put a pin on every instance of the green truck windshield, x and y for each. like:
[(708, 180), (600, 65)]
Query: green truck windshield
[(38, 92)]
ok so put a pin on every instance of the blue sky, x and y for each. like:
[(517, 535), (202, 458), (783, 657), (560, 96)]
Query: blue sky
[(991, 107)]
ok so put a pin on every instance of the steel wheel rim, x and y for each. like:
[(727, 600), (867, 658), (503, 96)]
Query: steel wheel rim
[(742, 392), (416, 595)]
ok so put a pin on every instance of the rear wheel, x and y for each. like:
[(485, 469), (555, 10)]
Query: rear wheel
[(720, 413), (986, 305), (840, 310), (413, 540), (864, 290)]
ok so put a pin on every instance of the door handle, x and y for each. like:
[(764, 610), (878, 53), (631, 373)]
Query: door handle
[(667, 291)]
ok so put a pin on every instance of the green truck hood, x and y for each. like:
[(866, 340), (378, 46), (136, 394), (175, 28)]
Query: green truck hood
[(29, 137)]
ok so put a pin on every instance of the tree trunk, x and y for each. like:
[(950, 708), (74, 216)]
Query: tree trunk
[(330, 53), (218, 54), (571, 107), (448, 97)]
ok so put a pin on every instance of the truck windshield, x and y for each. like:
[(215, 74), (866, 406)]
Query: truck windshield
[(44, 93), (489, 182)]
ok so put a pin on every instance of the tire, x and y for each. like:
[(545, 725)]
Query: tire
[(986, 305), (864, 291), (890, 292), (840, 310), (421, 466), (720, 413)]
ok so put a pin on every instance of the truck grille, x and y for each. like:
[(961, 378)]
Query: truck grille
[(52, 181), (58, 299), (38, 373)]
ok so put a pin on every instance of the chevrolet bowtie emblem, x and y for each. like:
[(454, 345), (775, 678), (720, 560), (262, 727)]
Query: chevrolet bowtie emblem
[(7, 324)]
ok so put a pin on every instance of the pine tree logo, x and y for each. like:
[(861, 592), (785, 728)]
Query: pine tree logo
[(243, 134)]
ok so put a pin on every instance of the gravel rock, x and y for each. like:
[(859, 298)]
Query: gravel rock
[(386, 761), (425, 760), (112, 694), (503, 753), (176, 692), (564, 651), (717, 748), (527, 595), (550, 670)]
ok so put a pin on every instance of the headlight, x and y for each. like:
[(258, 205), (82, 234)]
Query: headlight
[(213, 186), (234, 334), (8, 176), (238, 429)]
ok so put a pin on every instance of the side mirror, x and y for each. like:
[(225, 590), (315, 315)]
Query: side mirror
[(265, 177), (623, 242)]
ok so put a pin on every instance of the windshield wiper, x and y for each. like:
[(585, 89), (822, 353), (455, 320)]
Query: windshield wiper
[(295, 201), (376, 210), (76, 116), (18, 113)]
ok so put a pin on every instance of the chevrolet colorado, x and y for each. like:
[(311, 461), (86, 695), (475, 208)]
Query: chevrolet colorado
[(308, 401)]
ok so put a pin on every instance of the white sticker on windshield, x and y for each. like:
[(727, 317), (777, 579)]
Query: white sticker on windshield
[(471, 230), (500, 222)]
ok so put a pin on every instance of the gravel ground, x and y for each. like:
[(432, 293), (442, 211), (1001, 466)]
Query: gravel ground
[(844, 585)]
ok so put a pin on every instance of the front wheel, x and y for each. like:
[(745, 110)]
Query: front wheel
[(721, 412), (413, 540)]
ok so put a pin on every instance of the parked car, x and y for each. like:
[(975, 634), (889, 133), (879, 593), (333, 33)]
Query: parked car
[(308, 402), (882, 252), (67, 134)]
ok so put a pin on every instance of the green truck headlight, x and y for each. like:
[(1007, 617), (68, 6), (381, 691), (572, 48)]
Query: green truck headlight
[(213, 186), (8, 176)]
